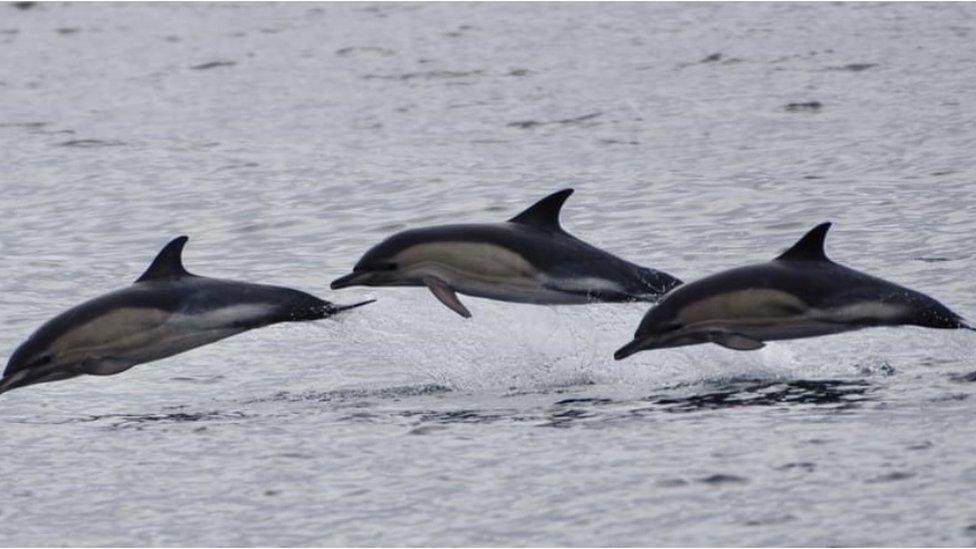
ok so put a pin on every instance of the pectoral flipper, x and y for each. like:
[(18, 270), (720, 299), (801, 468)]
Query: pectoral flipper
[(446, 295)]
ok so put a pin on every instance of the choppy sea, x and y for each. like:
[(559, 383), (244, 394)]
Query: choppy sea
[(285, 139)]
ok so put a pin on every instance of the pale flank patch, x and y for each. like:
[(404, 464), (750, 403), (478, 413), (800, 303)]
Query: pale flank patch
[(873, 310), (754, 304), (585, 284), (221, 318)]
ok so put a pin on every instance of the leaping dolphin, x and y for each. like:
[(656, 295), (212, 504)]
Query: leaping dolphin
[(799, 294), (527, 259), (165, 312)]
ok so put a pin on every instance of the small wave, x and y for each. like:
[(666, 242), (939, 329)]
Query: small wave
[(722, 479), (599, 411), (528, 124), (213, 65), (426, 75), (853, 67), (355, 394), (138, 421), (90, 143), (375, 51), (804, 106), (964, 378), (844, 393), (891, 477), (459, 416), (24, 125)]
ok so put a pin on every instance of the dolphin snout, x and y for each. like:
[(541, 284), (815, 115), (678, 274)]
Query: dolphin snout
[(351, 279), (628, 349), (12, 381)]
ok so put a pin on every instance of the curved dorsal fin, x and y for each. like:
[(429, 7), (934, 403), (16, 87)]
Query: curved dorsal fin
[(810, 247), (544, 213), (168, 263)]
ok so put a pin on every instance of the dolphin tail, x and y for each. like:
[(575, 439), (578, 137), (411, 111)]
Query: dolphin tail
[(959, 322), (656, 284), (333, 308)]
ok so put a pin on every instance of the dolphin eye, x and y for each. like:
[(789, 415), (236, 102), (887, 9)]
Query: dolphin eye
[(372, 268), (41, 361)]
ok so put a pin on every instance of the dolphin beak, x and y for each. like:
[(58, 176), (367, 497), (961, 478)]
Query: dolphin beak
[(12, 381), (351, 279), (634, 346), (31, 376)]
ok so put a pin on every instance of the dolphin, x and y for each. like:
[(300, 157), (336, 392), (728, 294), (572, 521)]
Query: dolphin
[(165, 312), (799, 294), (527, 259)]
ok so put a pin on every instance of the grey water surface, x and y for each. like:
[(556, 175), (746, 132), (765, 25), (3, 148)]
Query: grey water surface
[(285, 139)]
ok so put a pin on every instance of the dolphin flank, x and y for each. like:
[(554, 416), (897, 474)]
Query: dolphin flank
[(527, 259), (165, 312), (799, 294)]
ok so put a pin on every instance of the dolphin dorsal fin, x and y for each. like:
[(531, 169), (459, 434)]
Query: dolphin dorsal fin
[(544, 213), (810, 247), (168, 263)]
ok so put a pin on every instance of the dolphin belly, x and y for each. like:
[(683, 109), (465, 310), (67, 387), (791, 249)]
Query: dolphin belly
[(589, 289), (791, 329), (868, 313), (757, 330), (812, 324)]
